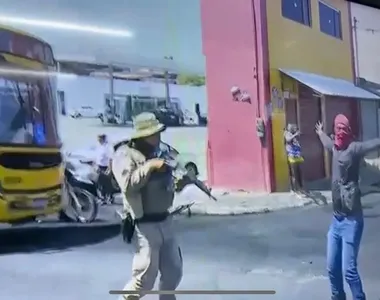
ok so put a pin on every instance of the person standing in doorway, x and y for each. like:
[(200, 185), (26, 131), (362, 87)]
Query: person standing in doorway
[(346, 229), (295, 159)]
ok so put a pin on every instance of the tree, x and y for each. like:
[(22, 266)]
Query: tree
[(193, 80)]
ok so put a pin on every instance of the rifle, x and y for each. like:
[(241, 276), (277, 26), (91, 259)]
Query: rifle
[(179, 209), (183, 177)]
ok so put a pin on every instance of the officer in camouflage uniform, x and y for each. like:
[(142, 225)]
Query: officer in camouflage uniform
[(148, 192)]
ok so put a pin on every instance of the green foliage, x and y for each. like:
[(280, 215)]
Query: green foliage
[(193, 80)]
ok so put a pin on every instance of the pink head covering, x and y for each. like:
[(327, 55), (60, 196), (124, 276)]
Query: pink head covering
[(342, 120), (342, 131)]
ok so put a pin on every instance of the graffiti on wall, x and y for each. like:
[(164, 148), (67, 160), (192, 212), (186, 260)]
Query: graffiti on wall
[(277, 99)]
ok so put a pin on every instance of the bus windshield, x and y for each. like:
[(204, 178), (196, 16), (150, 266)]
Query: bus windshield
[(27, 112)]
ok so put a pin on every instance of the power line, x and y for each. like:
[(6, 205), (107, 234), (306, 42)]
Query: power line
[(356, 27), (372, 30)]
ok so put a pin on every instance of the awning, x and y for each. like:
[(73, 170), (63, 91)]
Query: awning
[(330, 86)]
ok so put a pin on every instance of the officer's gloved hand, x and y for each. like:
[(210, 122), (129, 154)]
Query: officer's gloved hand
[(156, 164), (171, 163)]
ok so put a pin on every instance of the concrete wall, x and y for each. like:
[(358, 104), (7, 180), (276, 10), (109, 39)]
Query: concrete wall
[(367, 41), (81, 91), (296, 46)]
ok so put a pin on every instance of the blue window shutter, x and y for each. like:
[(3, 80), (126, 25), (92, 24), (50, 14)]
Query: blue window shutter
[(293, 9), (306, 9), (337, 25), (326, 19)]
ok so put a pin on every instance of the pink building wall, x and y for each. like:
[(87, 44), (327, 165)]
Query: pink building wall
[(235, 46)]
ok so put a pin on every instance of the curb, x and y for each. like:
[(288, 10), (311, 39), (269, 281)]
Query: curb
[(197, 211), (202, 210), (59, 228)]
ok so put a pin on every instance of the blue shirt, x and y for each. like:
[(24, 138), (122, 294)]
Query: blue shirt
[(39, 134)]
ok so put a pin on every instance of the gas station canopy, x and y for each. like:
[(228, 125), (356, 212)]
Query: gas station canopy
[(119, 71)]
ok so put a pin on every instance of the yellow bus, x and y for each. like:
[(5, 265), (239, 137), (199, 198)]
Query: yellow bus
[(30, 159)]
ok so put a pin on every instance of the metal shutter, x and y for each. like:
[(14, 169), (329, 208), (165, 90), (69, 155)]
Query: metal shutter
[(369, 122), (309, 114)]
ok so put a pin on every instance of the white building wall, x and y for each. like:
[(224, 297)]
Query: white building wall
[(81, 91), (366, 38), (367, 34)]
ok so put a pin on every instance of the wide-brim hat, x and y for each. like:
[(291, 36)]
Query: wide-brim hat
[(146, 124)]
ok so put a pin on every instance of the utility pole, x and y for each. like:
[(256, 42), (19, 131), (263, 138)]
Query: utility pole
[(111, 83), (111, 89), (356, 49), (171, 36), (167, 86)]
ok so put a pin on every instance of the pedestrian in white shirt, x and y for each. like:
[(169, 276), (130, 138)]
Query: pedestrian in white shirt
[(104, 152)]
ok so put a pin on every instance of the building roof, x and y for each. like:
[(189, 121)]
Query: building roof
[(370, 86), (330, 86)]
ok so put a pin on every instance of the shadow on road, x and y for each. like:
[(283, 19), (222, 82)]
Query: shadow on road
[(28, 240)]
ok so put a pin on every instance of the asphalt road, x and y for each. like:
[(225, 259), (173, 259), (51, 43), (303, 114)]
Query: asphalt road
[(284, 251)]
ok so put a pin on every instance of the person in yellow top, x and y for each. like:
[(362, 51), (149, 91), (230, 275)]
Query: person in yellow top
[(294, 156)]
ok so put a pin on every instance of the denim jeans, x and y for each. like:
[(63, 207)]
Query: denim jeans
[(343, 243)]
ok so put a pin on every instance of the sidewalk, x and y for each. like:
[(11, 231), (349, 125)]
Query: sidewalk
[(237, 203)]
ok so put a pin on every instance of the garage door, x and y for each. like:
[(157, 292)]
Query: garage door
[(309, 115)]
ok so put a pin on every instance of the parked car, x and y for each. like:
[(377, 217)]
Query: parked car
[(110, 119), (202, 120), (85, 112), (169, 117)]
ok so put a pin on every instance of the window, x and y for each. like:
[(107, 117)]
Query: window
[(26, 113), (297, 10), (330, 20)]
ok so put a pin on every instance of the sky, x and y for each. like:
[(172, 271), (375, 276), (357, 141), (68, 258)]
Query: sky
[(160, 27)]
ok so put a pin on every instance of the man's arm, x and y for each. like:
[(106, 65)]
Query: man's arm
[(326, 141), (362, 148), (134, 178), (129, 175)]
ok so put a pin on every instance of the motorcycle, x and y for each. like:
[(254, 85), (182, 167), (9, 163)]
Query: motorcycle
[(95, 189), (80, 191)]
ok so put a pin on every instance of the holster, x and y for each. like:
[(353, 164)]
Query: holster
[(128, 228)]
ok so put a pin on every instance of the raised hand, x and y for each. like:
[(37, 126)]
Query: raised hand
[(319, 127)]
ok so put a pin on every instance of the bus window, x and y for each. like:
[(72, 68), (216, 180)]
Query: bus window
[(27, 115), (44, 114), (14, 123)]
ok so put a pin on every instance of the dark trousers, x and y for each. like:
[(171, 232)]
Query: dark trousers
[(343, 243), (104, 181), (295, 175)]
